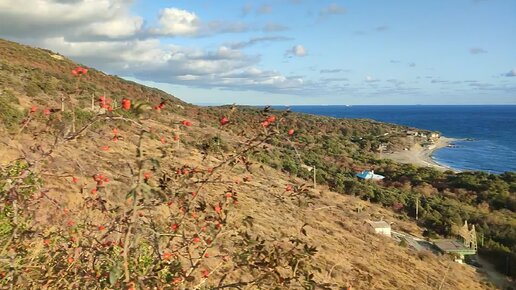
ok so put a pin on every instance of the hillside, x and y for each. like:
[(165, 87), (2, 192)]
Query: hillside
[(171, 197)]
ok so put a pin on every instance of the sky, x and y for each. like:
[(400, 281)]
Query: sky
[(288, 52)]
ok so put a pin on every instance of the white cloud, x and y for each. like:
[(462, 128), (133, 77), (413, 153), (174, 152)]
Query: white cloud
[(105, 34), (116, 28), (178, 22), (224, 68), (86, 20), (370, 79), (297, 50), (74, 19)]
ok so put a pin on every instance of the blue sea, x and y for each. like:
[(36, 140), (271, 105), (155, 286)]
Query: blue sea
[(487, 134)]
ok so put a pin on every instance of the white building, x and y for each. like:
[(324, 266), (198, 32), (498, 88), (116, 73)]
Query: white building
[(381, 227)]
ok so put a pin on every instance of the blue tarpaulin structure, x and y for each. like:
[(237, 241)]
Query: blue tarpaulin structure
[(366, 174)]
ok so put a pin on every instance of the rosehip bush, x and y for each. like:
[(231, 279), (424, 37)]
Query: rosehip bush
[(153, 224)]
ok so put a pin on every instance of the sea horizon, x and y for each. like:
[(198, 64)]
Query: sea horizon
[(485, 134), (346, 105)]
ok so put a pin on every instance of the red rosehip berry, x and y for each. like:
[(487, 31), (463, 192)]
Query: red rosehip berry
[(167, 256), (126, 104), (224, 121)]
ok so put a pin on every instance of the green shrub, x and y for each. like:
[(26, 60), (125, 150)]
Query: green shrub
[(8, 97), (32, 89), (9, 115)]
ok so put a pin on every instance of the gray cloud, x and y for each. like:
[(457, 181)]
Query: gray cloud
[(330, 71), (412, 64), (477, 50), (511, 73), (248, 8), (297, 50), (264, 9), (274, 27), (256, 40), (395, 82), (216, 27), (332, 9), (335, 79), (382, 28)]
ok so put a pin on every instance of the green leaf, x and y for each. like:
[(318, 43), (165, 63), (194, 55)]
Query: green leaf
[(115, 273)]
